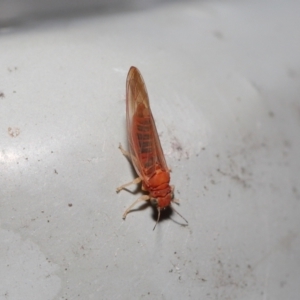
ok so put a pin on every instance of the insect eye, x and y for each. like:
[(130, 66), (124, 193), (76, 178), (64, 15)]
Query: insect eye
[(154, 201)]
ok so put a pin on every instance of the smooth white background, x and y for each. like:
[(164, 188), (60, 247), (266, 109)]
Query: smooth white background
[(224, 84)]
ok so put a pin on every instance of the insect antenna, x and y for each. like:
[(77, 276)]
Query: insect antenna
[(180, 215), (158, 217)]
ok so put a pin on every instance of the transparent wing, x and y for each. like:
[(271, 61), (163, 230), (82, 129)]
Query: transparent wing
[(144, 145)]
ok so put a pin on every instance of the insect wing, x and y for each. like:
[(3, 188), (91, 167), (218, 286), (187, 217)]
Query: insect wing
[(144, 145)]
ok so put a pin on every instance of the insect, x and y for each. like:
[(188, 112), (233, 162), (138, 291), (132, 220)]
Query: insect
[(145, 151)]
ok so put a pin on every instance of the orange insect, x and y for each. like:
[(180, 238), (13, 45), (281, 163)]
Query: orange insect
[(145, 151)]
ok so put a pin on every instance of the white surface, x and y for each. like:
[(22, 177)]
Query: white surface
[(224, 84)]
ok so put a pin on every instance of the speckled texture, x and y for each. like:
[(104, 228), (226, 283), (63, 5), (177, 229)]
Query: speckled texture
[(224, 84)]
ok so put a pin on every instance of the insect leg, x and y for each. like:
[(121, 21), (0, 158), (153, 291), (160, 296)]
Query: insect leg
[(142, 198), (124, 152), (135, 181), (174, 200)]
